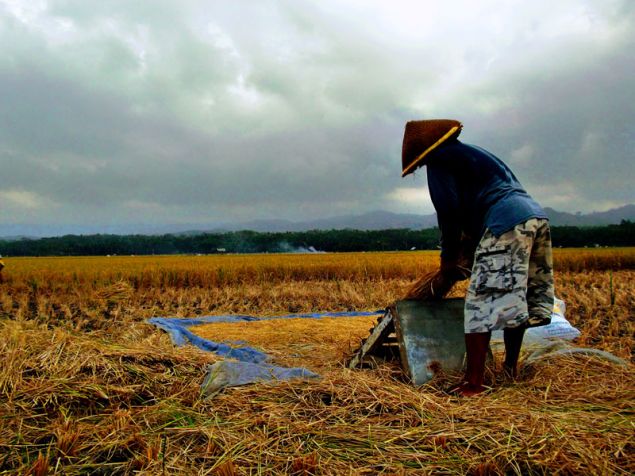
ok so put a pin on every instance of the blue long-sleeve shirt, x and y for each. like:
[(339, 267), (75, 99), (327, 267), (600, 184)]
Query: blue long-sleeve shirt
[(472, 190)]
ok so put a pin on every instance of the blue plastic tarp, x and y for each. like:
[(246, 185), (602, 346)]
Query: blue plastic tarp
[(250, 365)]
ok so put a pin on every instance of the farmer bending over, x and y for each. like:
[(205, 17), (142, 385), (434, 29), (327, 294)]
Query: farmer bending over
[(482, 209)]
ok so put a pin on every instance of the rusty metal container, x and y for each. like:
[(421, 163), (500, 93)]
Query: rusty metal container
[(430, 336)]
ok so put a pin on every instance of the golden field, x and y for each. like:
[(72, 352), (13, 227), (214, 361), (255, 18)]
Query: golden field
[(86, 386)]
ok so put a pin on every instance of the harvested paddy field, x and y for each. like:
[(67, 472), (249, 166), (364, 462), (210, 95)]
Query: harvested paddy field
[(87, 386)]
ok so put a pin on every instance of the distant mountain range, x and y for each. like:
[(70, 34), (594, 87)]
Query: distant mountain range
[(609, 217), (381, 220), (377, 220)]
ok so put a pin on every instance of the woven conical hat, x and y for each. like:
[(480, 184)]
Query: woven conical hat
[(422, 137)]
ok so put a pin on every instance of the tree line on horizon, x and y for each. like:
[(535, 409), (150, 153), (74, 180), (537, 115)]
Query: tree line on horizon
[(345, 240)]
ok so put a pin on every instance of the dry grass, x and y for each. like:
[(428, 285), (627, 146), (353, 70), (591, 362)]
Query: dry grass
[(318, 344), (87, 387)]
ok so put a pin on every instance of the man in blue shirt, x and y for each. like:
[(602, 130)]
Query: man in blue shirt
[(482, 209)]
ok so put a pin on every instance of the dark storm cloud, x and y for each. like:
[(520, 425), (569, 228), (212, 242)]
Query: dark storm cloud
[(98, 152), (167, 112), (567, 131)]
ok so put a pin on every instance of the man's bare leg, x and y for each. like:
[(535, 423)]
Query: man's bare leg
[(513, 342), (476, 346)]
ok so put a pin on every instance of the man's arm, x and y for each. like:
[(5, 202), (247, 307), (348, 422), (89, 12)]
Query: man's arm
[(445, 197)]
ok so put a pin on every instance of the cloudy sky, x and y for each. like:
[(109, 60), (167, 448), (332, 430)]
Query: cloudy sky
[(115, 113)]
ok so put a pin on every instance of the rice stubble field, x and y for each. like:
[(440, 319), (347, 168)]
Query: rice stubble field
[(87, 386)]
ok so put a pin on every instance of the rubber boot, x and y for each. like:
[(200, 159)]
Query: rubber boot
[(513, 342), (476, 346)]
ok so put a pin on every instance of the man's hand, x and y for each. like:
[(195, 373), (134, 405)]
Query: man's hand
[(455, 270)]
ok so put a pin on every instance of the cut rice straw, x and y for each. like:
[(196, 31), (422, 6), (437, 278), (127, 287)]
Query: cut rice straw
[(86, 386)]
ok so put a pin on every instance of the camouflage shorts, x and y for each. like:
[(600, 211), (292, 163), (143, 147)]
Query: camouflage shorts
[(512, 279)]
